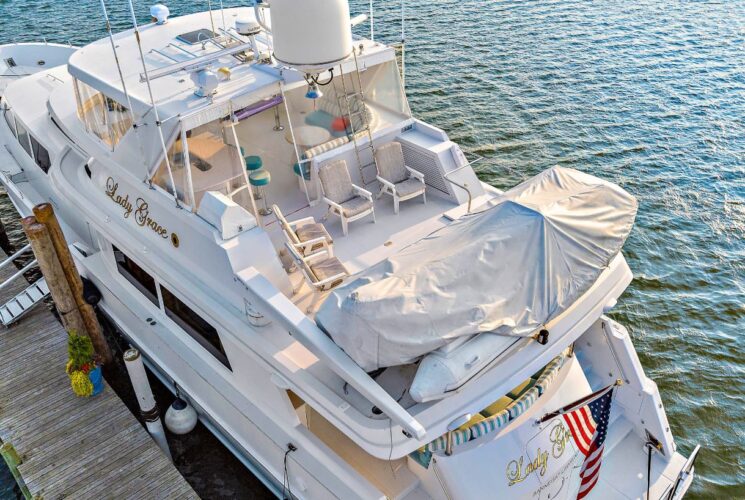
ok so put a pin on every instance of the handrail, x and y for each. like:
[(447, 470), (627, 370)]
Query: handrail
[(20, 272), (308, 334), (10, 259), (464, 186)]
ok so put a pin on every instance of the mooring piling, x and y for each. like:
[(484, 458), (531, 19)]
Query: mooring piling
[(41, 243), (44, 213), (148, 407), (13, 460)]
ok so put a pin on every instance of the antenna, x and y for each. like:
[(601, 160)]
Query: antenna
[(403, 45), (222, 13), (121, 75), (155, 109)]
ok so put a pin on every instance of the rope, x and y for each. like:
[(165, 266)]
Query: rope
[(649, 467), (286, 491)]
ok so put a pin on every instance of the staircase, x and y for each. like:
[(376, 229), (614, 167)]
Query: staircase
[(12, 310)]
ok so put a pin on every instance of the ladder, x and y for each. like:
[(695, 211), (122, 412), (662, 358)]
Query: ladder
[(354, 102), (12, 310)]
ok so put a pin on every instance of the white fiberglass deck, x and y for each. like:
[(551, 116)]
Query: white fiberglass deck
[(368, 242)]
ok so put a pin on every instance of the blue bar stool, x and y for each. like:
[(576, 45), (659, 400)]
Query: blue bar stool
[(253, 162), (260, 179)]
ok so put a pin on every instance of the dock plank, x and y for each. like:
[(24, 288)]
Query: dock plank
[(73, 447)]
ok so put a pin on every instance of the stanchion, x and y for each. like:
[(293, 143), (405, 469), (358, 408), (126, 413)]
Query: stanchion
[(148, 407)]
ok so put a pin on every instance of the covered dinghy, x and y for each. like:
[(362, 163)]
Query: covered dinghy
[(507, 269)]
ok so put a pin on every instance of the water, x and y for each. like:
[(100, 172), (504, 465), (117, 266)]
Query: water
[(650, 95)]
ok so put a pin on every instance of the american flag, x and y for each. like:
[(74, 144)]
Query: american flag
[(589, 426)]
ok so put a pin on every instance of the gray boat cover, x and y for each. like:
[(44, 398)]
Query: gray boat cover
[(508, 269)]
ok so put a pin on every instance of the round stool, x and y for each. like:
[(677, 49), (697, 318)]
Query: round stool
[(305, 170), (260, 179), (253, 163)]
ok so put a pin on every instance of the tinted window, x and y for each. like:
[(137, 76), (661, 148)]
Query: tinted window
[(23, 138), (41, 155), (194, 325), (9, 119), (136, 275)]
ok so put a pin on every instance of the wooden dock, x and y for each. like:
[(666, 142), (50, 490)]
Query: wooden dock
[(72, 447)]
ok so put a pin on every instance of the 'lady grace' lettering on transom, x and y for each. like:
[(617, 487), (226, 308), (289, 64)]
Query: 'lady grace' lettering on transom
[(519, 469), (139, 208)]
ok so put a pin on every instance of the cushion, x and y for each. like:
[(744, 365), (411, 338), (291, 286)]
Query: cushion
[(521, 389), (409, 186), (328, 268), (390, 161), (311, 232), (336, 182), (355, 206), (474, 420), (319, 118), (497, 406)]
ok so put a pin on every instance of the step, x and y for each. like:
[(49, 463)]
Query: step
[(19, 305)]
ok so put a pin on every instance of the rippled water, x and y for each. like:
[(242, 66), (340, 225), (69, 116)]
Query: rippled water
[(649, 94)]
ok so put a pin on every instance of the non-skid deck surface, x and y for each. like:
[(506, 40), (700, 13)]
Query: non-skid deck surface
[(73, 447)]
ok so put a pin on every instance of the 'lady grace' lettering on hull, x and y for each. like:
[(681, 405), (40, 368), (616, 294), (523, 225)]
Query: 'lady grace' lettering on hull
[(139, 208), (518, 470)]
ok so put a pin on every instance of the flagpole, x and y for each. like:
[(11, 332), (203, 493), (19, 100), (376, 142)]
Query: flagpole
[(580, 402)]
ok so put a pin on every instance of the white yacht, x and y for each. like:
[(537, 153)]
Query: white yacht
[(324, 277)]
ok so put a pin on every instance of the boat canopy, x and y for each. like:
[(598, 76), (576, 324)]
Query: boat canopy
[(509, 269)]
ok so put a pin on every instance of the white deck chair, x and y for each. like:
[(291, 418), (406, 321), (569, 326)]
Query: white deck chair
[(348, 201), (306, 235), (396, 179), (321, 271)]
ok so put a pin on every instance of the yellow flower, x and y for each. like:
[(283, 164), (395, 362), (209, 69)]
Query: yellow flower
[(81, 384), (68, 367)]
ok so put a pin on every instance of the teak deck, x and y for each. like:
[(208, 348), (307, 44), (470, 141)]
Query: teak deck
[(72, 447)]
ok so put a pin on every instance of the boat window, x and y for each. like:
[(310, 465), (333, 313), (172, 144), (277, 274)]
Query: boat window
[(9, 120), (41, 155), (176, 159), (384, 104), (102, 116), (23, 137), (136, 275), (215, 164), (193, 324), (120, 119)]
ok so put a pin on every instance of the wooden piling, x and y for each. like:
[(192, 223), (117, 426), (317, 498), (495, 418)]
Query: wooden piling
[(13, 460), (45, 215), (50, 267), (5, 243)]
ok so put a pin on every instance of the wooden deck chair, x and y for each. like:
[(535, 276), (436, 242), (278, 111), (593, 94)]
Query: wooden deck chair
[(348, 201), (321, 271), (396, 179), (306, 235)]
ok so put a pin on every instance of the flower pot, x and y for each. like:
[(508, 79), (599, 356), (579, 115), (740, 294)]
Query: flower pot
[(96, 378)]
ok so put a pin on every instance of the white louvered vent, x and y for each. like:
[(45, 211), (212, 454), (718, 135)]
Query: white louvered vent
[(426, 162)]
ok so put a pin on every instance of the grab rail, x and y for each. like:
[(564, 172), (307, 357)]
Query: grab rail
[(464, 186), (18, 274), (10, 259)]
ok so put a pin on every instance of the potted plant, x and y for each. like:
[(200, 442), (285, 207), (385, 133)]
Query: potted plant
[(82, 366)]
